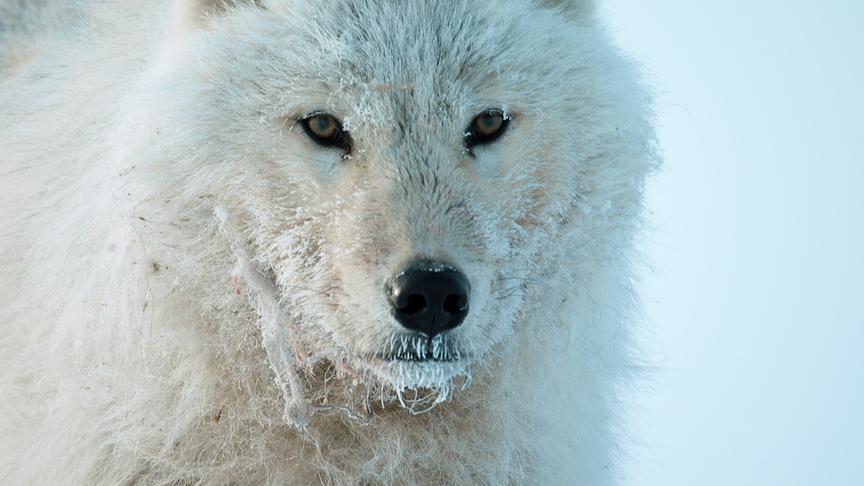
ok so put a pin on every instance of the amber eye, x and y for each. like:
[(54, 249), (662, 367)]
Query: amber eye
[(486, 128), (326, 130)]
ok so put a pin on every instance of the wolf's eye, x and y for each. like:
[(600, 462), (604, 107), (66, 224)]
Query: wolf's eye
[(326, 130), (486, 128)]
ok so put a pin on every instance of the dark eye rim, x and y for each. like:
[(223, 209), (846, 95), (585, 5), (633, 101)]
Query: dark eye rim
[(341, 138), (473, 138)]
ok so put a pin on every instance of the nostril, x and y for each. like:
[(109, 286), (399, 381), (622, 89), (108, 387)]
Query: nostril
[(455, 304), (414, 304)]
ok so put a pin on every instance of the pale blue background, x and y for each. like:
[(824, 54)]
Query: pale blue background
[(755, 303)]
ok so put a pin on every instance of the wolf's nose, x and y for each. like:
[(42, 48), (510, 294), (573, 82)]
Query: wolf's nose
[(429, 297)]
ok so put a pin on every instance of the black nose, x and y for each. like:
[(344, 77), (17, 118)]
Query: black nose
[(430, 297)]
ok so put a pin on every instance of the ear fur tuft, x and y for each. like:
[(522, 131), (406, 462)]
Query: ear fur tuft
[(571, 8), (194, 14)]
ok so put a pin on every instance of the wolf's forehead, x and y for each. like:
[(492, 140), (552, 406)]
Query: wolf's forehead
[(421, 50)]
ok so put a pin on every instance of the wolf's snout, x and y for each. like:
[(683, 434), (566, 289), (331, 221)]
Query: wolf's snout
[(429, 297)]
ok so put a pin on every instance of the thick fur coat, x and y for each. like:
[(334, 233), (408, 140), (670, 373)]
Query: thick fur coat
[(192, 291)]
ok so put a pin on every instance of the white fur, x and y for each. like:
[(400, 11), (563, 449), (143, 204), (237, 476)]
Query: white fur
[(192, 291)]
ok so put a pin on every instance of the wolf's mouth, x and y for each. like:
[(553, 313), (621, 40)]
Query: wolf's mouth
[(419, 348), (428, 357)]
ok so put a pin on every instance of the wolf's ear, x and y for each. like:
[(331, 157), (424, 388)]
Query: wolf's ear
[(195, 14), (572, 8)]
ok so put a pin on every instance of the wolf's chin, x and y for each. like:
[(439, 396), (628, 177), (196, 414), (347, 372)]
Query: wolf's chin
[(422, 375)]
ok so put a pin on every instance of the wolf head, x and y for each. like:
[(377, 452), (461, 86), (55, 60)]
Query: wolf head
[(412, 177)]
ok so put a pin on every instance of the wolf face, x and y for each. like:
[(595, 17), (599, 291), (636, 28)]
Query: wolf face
[(402, 173)]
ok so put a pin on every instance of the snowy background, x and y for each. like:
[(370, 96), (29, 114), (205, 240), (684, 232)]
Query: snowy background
[(756, 301)]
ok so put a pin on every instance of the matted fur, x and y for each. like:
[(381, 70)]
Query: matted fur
[(193, 293)]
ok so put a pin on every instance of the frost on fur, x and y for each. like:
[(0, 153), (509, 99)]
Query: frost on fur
[(194, 289)]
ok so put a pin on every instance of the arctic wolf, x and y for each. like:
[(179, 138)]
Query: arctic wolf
[(307, 241)]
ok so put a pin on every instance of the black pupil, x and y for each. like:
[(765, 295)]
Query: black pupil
[(323, 126), (488, 122)]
